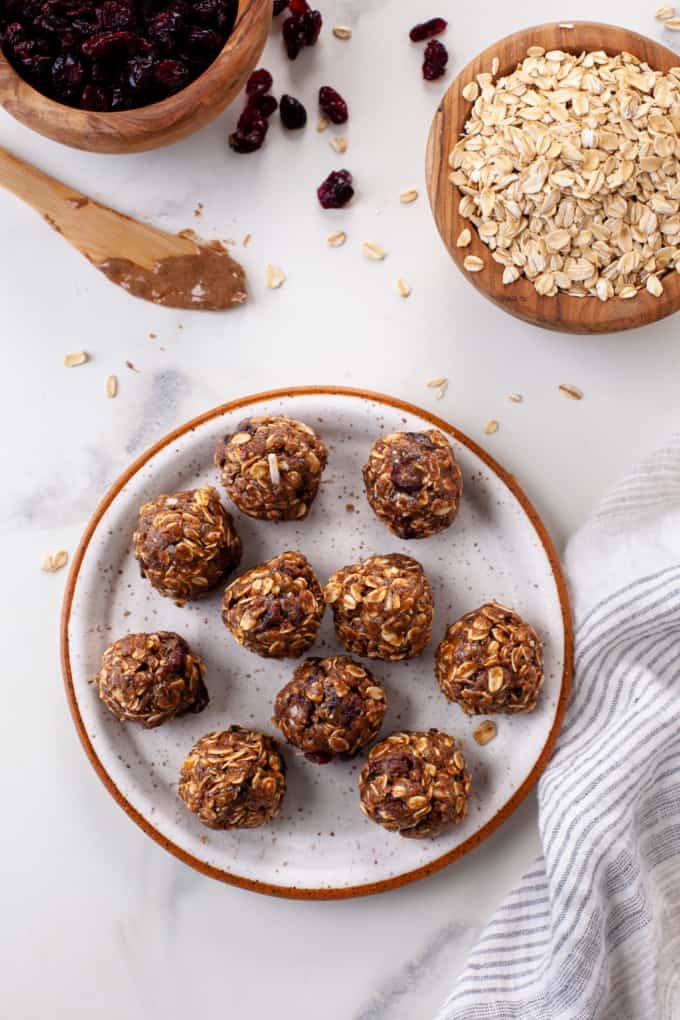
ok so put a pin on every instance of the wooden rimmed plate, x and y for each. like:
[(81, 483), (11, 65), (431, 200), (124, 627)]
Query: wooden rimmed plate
[(320, 846), (563, 313)]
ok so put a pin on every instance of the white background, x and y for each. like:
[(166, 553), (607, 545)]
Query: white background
[(97, 919)]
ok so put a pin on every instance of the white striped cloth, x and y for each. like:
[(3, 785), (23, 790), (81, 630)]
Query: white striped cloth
[(593, 930)]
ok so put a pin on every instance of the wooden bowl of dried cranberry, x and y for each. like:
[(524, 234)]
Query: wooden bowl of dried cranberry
[(126, 75)]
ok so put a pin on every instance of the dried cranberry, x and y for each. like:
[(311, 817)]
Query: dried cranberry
[(250, 132), (259, 82), (171, 75), (95, 97), (111, 45), (436, 59), (68, 76), (336, 190), (293, 113), (264, 105), (279, 7), (167, 28), (333, 105), (426, 29), (302, 28)]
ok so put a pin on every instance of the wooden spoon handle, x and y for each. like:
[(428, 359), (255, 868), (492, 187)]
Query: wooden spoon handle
[(45, 194)]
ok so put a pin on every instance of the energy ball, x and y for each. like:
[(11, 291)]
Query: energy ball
[(491, 661), (382, 607), (415, 783), (413, 483), (271, 467), (149, 678), (331, 707), (186, 543), (275, 610), (235, 779)]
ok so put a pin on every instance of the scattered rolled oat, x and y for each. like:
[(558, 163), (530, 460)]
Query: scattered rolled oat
[(654, 286), (53, 563), (322, 123), (473, 263), (76, 358), (471, 91), (408, 196), (111, 386), (337, 238), (246, 240), (673, 24), (485, 732), (342, 32), (515, 398), (491, 427), (664, 13), (572, 392), (568, 168), (275, 277), (373, 251), (403, 288), (339, 143), (464, 239), (436, 383), (132, 367)]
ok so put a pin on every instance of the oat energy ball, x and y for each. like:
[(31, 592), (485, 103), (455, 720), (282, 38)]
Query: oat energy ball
[(149, 678), (271, 467), (415, 783), (235, 779), (331, 707), (275, 610), (413, 482), (382, 607), (186, 543), (491, 661)]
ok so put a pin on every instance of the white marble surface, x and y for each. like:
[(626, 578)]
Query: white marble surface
[(98, 921)]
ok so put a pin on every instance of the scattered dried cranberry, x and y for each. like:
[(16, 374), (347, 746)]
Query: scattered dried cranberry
[(336, 190), (259, 82), (264, 105), (113, 54), (250, 133), (279, 7), (436, 59), (426, 29), (293, 113), (333, 105), (302, 28)]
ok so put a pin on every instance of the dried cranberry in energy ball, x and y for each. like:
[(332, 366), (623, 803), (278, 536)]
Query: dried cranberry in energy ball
[(491, 661), (275, 610), (415, 783), (331, 707), (149, 678), (234, 780), (186, 543), (271, 467), (382, 607), (113, 55), (413, 482)]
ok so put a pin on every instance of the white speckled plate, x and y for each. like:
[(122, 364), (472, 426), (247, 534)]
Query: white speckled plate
[(320, 845)]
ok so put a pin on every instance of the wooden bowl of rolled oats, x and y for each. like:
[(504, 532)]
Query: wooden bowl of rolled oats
[(553, 170)]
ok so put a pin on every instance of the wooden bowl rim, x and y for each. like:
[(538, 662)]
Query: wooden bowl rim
[(293, 892), (143, 121), (562, 312)]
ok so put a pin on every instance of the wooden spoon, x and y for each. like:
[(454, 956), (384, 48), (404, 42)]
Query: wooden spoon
[(167, 269)]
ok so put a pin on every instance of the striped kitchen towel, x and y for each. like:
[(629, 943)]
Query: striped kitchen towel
[(593, 930)]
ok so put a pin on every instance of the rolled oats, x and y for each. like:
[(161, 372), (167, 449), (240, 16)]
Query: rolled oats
[(403, 288), (342, 32), (338, 143), (111, 386), (485, 732), (275, 277), (415, 783), (473, 263), (275, 609), (76, 358), (150, 678), (382, 607), (464, 239), (186, 543), (235, 779), (569, 168), (337, 238), (490, 661), (408, 196), (572, 392), (373, 251)]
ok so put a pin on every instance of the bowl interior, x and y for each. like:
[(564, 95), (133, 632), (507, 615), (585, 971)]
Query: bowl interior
[(563, 312), (148, 127)]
